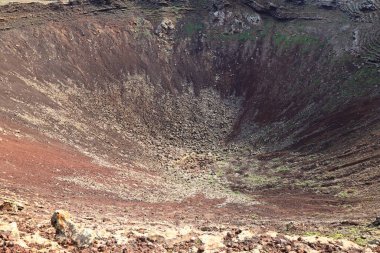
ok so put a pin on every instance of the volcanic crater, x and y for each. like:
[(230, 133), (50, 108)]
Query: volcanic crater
[(199, 112)]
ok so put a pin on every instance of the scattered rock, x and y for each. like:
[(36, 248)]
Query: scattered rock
[(376, 223), (374, 242), (165, 28), (37, 239), (156, 239), (244, 235), (185, 230), (297, 2), (10, 230), (348, 245), (11, 206), (253, 19), (367, 5), (328, 4), (212, 242), (271, 234), (349, 223)]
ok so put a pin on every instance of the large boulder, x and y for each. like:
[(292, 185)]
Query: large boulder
[(66, 229), (64, 226)]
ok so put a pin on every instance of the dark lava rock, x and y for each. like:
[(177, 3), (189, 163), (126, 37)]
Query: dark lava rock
[(297, 2), (376, 223), (328, 4), (367, 5)]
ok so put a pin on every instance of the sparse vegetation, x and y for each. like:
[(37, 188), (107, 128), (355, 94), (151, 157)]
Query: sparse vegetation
[(282, 169), (193, 28), (289, 41), (260, 180), (346, 193), (359, 234), (243, 36), (305, 183), (361, 82)]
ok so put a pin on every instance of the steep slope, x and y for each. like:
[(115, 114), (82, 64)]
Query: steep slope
[(178, 103)]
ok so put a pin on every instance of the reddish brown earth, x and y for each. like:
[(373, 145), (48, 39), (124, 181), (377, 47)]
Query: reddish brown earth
[(31, 167)]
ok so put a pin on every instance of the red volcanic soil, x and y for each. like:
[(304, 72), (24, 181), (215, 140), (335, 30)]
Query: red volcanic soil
[(31, 164), (35, 162)]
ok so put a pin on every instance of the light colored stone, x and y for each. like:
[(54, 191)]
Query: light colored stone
[(315, 239), (194, 249), (104, 234), (167, 233), (271, 233), (291, 237), (22, 244), (12, 229), (244, 235), (84, 237), (165, 27), (185, 230), (212, 242), (348, 245), (120, 237), (167, 24), (39, 240)]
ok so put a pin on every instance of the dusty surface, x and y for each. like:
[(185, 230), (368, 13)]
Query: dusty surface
[(120, 234), (209, 115)]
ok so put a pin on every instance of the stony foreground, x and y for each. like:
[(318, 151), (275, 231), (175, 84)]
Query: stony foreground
[(25, 230)]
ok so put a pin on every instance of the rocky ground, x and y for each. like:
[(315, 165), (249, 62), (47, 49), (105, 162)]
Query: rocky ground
[(26, 227)]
